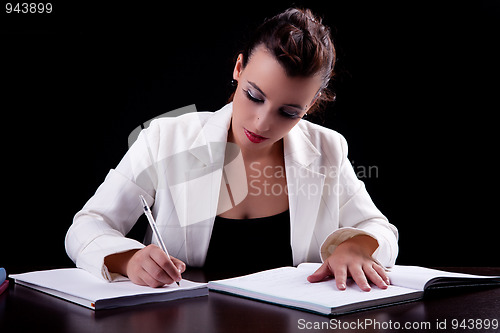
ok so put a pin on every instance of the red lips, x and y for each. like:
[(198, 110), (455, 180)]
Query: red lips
[(254, 137)]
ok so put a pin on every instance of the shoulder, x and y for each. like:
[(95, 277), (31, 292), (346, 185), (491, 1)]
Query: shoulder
[(191, 119), (185, 125), (182, 122), (326, 140), (169, 134), (174, 134)]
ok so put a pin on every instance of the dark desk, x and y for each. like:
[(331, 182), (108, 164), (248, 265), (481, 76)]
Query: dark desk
[(25, 310)]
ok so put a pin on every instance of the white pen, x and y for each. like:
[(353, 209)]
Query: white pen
[(152, 223)]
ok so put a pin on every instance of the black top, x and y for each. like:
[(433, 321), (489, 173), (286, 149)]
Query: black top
[(250, 245)]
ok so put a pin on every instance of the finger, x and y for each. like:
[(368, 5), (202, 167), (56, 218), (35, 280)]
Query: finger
[(358, 275), (340, 273), (153, 274), (374, 276), (383, 274), (320, 274), (150, 280), (167, 266), (181, 266)]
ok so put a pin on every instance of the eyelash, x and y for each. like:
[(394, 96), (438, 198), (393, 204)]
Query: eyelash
[(253, 99), (259, 101)]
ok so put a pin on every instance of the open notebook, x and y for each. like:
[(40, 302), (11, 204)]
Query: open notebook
[(79, 286), (288, 286)]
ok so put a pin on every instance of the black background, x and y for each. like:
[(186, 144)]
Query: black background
[(416, 82)]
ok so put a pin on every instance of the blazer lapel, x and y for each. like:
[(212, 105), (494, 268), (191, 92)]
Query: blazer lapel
[(195, 174), (197, 194), (305, 187)]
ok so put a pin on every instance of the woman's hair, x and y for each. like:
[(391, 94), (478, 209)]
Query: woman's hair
[(301, 44)]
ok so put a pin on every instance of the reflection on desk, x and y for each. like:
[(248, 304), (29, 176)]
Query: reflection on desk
[(25, 310)]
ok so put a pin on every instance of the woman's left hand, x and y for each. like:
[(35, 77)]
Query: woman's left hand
[(353, 258)]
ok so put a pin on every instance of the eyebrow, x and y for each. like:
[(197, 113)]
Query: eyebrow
[(263, 94)]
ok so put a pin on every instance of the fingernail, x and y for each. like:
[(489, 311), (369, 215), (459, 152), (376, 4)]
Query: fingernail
[(342, 286), (388, 281)]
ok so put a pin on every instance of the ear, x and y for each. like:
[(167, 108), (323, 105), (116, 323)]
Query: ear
[(315, 99), (238, 67)]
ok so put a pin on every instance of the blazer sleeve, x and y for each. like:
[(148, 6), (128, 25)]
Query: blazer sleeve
[(358, 215), (99, 228)]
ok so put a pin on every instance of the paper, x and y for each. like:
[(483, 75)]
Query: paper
[(288, 283), (289, 286), (81, 287), (419, 277)]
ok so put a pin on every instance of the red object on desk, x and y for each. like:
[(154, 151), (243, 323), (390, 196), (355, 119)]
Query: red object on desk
[(4, 286)]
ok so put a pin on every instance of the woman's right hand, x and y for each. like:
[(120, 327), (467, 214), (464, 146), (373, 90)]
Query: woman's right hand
[(149, 266)]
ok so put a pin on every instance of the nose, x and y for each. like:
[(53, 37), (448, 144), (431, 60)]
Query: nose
[(263, 121)]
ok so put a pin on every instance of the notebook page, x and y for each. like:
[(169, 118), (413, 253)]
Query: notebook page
[(77, 282), (288, 283), (417, 277)]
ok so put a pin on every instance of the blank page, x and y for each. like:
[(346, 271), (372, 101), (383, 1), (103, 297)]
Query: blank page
[(80, 283), (289, 283), (417, 277)]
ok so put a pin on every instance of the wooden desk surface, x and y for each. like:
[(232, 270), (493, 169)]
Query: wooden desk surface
[(26, 310)]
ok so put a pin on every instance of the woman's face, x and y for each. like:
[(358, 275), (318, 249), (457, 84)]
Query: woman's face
[(268, 103)]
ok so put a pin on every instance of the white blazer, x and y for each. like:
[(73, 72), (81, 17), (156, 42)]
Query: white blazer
[(177, 164)]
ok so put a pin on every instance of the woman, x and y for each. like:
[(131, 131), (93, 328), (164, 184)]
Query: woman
[(251, 185)]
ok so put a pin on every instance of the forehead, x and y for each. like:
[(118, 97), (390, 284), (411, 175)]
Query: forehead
[(263, 69)]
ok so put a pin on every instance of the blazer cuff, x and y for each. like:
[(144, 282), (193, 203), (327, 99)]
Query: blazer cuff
[(340, 236), (92, 258)]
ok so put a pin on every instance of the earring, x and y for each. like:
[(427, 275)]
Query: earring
[(234, 83), (304, 116)]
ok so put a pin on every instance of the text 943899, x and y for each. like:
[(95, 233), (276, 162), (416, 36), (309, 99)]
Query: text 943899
[(28, 8)]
